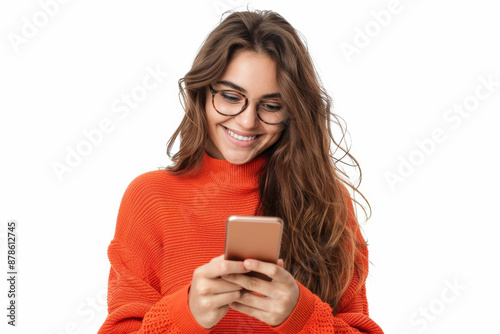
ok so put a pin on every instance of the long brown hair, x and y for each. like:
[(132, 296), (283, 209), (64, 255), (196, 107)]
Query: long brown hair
[(302, 181)]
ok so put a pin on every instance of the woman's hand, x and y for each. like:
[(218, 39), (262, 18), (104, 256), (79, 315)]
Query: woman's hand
[(278, 299), (210, 295)]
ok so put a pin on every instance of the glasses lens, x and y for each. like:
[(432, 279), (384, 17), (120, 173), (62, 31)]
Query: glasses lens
[(229, 103), (271, 112)]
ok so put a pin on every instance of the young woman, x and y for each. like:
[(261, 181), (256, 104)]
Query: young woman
[(255, 140)]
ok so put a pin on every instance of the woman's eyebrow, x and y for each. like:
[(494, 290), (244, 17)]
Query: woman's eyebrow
[(244, 91)]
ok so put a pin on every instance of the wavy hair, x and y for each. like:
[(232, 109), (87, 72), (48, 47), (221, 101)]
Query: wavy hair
[(302, 181)]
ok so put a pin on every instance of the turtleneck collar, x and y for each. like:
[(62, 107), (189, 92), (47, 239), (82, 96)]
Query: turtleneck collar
[(224, 172)]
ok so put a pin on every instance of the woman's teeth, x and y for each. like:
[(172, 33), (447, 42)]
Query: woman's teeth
[(234, 135)]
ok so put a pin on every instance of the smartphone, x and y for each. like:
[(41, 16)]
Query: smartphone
[(253, 237)]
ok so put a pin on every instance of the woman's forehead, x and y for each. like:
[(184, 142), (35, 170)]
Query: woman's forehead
[(251, 73)]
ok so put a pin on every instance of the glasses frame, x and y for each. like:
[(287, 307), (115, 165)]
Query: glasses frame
[(213, 91)]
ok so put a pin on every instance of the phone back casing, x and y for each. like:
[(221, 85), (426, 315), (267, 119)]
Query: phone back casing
[(253, 237)]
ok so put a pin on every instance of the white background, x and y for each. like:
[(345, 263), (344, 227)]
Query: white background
[(436, 226)]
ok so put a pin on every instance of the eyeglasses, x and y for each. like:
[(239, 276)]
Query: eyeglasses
[(232, 103)]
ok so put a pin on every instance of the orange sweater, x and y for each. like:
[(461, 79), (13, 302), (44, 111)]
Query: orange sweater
[(169, 225)]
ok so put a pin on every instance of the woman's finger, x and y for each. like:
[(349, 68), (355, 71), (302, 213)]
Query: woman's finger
[(275, 272), (222, 299), (250, 283), (251, 299), (218, 268), (251, 311), (217, 286), (217, 259)]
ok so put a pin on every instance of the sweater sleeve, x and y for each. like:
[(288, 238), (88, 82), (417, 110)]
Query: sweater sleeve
[(312, 315), (135, 302)]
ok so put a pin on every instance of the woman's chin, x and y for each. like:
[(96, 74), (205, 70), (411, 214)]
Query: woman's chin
[(238, 158)]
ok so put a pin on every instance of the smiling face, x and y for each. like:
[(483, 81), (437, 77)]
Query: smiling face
[(238, 139)]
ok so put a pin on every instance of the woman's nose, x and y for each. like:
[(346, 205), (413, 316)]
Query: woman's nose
[(248, 118)]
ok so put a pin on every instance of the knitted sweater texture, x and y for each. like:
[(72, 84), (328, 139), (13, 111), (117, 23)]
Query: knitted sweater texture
[(168, 225)]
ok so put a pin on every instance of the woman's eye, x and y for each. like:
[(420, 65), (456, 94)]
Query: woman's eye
[(271, 107), (231, 97)]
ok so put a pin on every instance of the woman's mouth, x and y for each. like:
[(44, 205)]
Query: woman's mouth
[(236, 136), (239, 139)]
